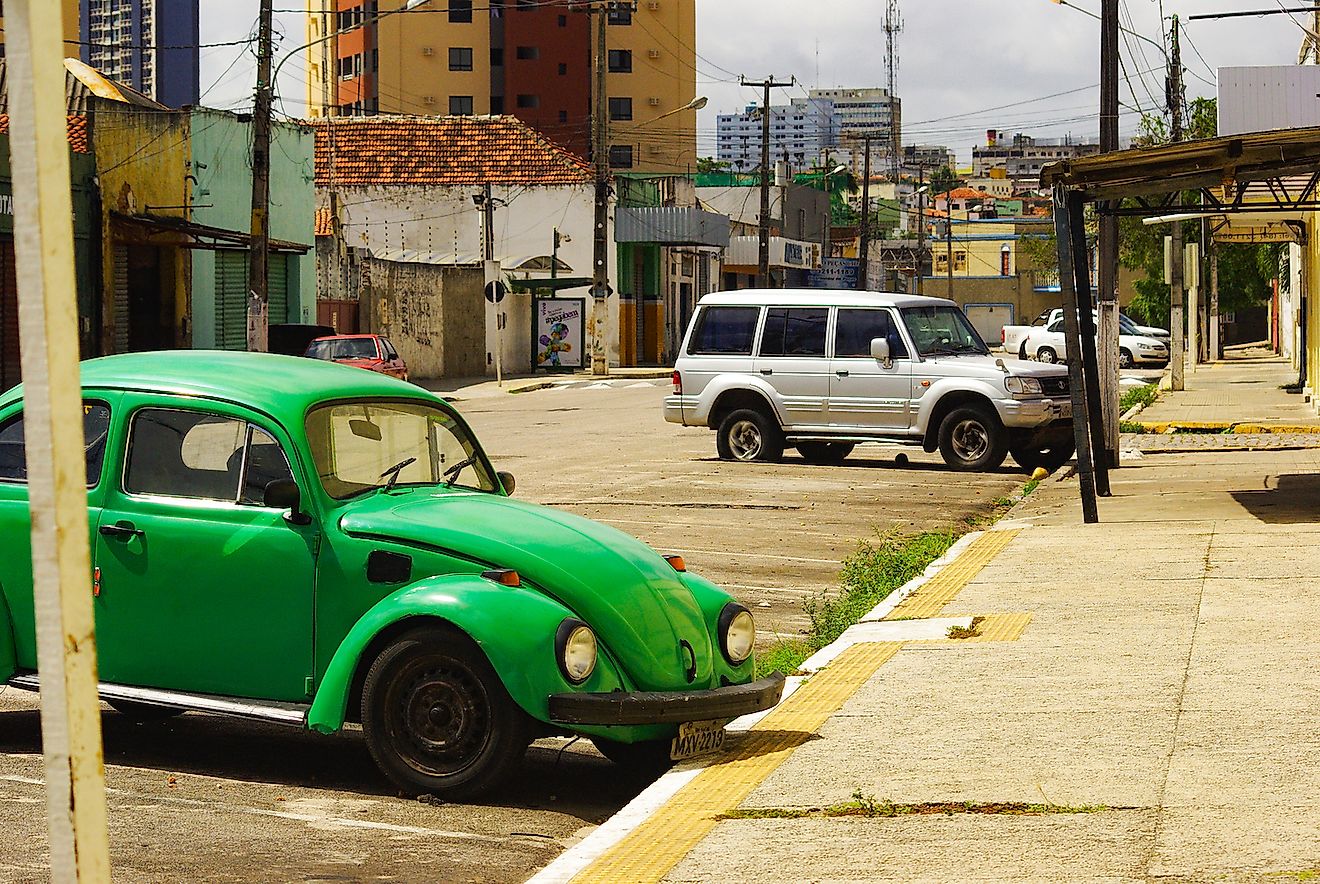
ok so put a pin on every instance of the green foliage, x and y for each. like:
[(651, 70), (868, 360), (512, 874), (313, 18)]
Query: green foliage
[(1143, 396), (944, 179), (710, 165)]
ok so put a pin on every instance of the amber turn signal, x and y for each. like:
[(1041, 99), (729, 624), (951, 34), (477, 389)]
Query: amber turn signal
[(676, 562), (504, 576)]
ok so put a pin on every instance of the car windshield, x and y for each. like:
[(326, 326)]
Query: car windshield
[(343, 348), (362, 445), (1127, 326), (942, 331)]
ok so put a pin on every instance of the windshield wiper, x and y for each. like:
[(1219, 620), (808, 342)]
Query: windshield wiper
[(452, 474), (940, 351), (393, 472)]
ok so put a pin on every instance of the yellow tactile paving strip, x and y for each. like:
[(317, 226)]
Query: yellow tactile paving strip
[(657, 845), (993, 628), (931, 597)]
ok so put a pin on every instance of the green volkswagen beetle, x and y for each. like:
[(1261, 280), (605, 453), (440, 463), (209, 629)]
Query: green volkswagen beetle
[(306, 543)]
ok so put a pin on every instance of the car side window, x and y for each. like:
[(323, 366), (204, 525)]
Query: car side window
[(856, 327), (96, 427), (390, 352), (795, 331), (1056, 326), (725, 331), (206, 456)]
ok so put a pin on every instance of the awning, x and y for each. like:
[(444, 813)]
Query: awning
[(198, 236), (507, 263), (785, 253), (671, 225), (557, 284)]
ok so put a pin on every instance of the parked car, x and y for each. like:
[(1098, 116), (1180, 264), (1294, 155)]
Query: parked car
[(282, 539), (1046, 344), (371, 352), (1125, 324), (824, 370), (293, 338)]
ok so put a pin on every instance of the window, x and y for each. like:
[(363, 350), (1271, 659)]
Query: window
[(856, 328), (563, 116), (621, 109), (527, 53), (204, 456), (619, 17), (620, 61), (460, 10), (725, 331), (563, 21), (460, 105), (563, 69), (528, 101), (460, 58), (621, 156), (96, 426), (350, 67), (795, 331)]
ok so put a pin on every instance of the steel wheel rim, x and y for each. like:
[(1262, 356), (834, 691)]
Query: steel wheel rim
[(438, 716), (1125, 360), (970, 439), (1047, 356), (745, 440)]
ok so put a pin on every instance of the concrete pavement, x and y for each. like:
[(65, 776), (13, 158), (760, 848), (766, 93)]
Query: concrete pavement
[(1146, 706)]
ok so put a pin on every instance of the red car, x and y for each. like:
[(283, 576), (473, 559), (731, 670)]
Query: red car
[(371, 352)]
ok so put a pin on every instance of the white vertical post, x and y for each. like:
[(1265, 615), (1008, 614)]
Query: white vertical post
[(1192, 277), (48, 326)]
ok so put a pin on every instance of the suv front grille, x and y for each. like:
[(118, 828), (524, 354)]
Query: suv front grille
[(1054, 386)]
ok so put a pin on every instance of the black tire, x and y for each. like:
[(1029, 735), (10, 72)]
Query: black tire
[(1050, 456), (749, 434), (825, 452), (437, 718), (1047, 355), (1125, 359), (649, 758), (972, 438), (143, 713)]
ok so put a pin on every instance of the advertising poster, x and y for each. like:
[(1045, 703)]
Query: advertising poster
[(560, 332)]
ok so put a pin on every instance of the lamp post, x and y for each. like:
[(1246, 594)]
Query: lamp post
[(921, 225)]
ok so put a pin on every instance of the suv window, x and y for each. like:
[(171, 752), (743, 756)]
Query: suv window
[(795, 331), (191, 454), (725, 331), (856, 328), (96, 426)]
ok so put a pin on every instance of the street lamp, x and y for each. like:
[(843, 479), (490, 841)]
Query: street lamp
[(920, 194)]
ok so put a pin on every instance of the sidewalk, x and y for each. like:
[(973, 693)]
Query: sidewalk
[(459, 389), (1142, 702), (1245, 389)]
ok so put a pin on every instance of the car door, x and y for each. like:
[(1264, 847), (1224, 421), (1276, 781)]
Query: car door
[(394, 366), (15, 518), (866, 393), (202, 587), (792, 359)]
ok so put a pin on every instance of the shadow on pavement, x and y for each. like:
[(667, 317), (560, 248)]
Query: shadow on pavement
[(1294, 498)]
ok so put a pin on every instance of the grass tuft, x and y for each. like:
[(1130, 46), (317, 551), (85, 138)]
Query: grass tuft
[(1144, 396)]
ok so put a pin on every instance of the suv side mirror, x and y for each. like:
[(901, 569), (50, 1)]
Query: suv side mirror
[(507, 482), (283, 494), (880, 351)]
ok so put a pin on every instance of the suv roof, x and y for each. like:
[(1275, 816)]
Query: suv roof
[(821, 298)]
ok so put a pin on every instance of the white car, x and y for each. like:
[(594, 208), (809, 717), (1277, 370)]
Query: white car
[(1046, 344), (823, 370), (1125, 324)]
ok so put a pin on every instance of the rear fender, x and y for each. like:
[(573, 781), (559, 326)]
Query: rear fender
[(514, 626), (8, 651), (752, 390)]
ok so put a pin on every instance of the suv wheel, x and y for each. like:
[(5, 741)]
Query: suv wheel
[(971, 438), (1047, 355), (824, 452), (1050, 456), (748, 434)]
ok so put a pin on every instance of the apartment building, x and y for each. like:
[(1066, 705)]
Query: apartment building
[(150, 45), (531, 60), (1021, 158)]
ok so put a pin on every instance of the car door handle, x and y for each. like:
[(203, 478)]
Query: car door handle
[(124, 531), (843, 373), (767, 371)]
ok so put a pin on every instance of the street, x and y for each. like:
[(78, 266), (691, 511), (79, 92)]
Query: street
[(190, 795)]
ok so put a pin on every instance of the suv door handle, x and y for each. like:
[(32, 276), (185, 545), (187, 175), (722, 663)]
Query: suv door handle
[(767, 371), (124, 531), (843, 372)]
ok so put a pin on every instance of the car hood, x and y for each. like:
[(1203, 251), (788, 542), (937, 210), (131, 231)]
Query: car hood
[(633, 599), (988, 365)]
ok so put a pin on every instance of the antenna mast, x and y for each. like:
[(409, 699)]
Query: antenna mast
[(893, 25)]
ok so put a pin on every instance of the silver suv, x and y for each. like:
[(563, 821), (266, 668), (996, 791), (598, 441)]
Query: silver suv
[(822, 370)]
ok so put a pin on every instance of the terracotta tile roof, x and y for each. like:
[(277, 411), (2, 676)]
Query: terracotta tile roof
[(77, 132), (325, 222), (390, 150), (969, 193)]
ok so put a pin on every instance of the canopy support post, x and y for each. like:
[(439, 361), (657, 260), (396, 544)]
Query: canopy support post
[(1069, 229)]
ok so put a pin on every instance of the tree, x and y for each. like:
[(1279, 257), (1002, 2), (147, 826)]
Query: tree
[(710, 165), (943, 179)]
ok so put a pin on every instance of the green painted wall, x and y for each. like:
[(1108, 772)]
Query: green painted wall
[(222, 197)]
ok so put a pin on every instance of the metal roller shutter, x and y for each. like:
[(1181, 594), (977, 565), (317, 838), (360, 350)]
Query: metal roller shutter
[(231, 293), (277, 288)]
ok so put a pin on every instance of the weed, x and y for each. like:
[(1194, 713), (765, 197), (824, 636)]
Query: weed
[(960, 632), (1003, 502), (1143, 396), (1030, 487), (1131, 427), (868, 806)]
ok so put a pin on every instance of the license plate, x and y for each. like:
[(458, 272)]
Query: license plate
[(696, 738)]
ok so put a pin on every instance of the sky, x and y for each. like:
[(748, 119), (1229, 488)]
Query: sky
[(965, 66)]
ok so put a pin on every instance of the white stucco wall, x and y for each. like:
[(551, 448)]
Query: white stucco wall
[(444, 220)]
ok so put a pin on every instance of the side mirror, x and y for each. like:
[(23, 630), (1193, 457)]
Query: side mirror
[(283, 494), (507, 482), (880, 351)]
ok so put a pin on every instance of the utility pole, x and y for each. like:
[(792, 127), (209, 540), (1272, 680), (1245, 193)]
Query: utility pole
[(948, 238), (1107, 295), (488, 251), (259, 248), (864, 247), (1177, 344), (763, 250), (921, 223), (600, 279)]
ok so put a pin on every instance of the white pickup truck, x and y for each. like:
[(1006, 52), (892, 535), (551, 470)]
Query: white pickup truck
[(1044, 341)]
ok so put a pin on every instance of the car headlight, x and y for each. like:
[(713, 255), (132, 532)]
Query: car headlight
[(737, 633), (575, 650), (1022, 386)]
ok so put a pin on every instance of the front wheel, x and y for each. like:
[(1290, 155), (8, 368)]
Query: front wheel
[(437, 718), (1047, 355), (1050, 456), (747, 435), (825, 452), (1125, 359), (972, 438)]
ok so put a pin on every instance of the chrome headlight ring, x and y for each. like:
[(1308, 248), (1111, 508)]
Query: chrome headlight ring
[(737, 633), (576, 650)]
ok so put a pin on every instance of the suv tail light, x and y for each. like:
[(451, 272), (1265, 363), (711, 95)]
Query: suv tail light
[(678, 383), (1003, 336)]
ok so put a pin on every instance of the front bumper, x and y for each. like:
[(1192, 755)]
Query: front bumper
[(1027, 413), (666, 707), (1152, 357)]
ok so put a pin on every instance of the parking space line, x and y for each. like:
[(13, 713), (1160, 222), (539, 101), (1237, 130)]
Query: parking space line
[(931, 597), (651, 850)]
